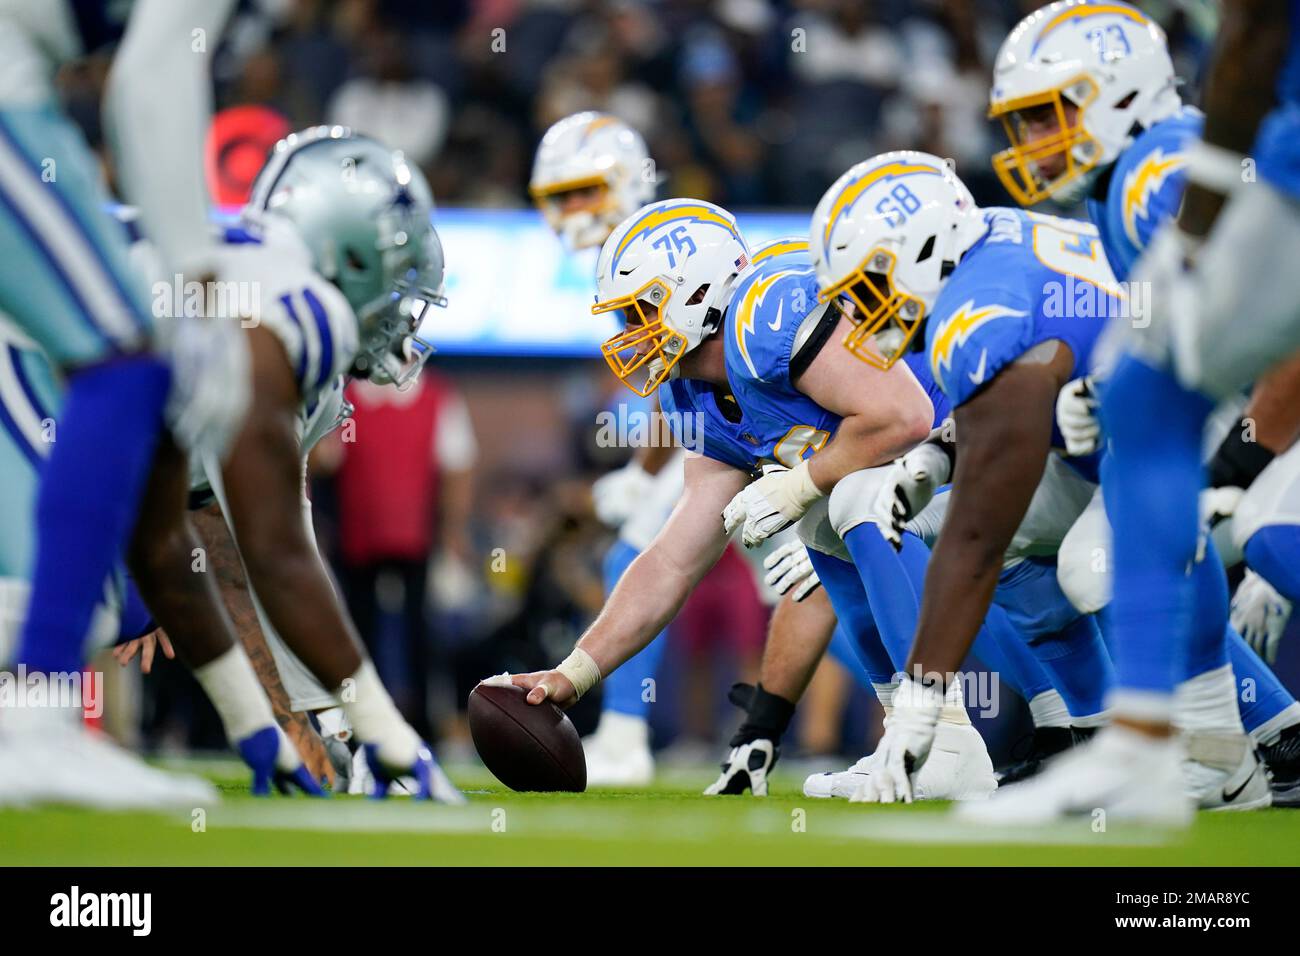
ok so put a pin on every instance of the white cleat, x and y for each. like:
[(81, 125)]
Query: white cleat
[(50, 757), (618, 753), (1225, 773), (958, 768), (1129, 776)]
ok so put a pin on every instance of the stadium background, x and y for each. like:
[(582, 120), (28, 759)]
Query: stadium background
[(754, 105)]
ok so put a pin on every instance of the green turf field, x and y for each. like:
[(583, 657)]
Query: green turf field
[(669, 824)]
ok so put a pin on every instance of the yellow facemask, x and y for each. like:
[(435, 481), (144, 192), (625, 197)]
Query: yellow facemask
[(887, 320), (646, 345), (549, 198), (1017, 165)]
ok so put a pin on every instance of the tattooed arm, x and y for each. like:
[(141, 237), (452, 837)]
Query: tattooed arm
[(224, 562)]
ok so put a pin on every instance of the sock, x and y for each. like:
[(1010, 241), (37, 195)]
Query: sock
[(893, 581), (1261, 697), (847, 597), (375, 719), (1266, 733), (954, 706), (1048, 710), (135, 619), (885, 694), (1274, 553), (85, 509), (624, 690), (1207, 704), (1207, 646), (1080, 669), (1003, 651), (231, 684), (1152, 479), (845, 653)]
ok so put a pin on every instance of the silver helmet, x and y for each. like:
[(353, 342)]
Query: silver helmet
[(364, 214)]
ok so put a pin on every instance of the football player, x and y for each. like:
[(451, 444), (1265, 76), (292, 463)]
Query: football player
[(1117, 129)]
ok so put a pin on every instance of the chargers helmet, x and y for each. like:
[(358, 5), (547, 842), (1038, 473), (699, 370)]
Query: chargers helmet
[(1107, 60), (885, 236)]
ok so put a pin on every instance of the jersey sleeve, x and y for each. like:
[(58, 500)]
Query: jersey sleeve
[(768, 311), (974, 334), (316, 326)]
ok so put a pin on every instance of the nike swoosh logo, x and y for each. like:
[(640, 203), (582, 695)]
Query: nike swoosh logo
[(977, 376), (776, 326), (1229, 797)]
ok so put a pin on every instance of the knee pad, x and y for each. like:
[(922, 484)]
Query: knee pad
[(852, 498), (1083, 565)]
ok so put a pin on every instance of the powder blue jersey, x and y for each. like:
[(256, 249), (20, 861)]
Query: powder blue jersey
[(1277, 145), (1144, 188), (764, 418)]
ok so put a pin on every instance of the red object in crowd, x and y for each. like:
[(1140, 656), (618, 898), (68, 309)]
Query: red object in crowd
[(239, 140)]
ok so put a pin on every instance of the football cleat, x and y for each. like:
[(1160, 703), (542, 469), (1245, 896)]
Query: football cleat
[(1283, 761), (430, 782), (260, 751), (958, 768), (618, 753), (746, 768), (1223, 772), (1121, 773), (1043, 744)]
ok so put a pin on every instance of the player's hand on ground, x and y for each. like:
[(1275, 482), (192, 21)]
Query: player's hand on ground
[(615, 496), (902, 751), (770, 504), (146, 647), (746, 768), (790, 570), (908, 487), (1260, 615), (546, 685), (1076, 416)]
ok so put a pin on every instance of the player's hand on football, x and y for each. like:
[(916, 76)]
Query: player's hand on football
[(908, 487), (616, 495), (1260, 614), (546, 685), (1076, 416), (770, 504), (902, 751), (146, 647), (790, 570)]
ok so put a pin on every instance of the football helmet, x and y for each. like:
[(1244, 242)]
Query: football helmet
[(591, 172), (667, 272), (364, 214), (1109, 62), (885, 236)]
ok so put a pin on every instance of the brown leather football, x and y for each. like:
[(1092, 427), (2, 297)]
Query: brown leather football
[(526, 747)]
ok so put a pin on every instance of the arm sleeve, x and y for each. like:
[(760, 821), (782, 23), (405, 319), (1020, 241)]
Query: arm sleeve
[(156, 111)]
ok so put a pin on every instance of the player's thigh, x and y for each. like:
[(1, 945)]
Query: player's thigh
[(1248, 292), (1272, 499), (65, 274)]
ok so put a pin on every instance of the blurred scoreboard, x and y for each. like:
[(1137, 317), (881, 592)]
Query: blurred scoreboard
[(513, 290)]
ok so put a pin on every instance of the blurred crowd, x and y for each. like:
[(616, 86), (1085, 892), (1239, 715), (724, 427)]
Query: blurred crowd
[(470, 546)]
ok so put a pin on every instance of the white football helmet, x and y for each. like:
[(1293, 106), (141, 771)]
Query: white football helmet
[(668, 271), (1107, 60), (591, 172), (885, 236)]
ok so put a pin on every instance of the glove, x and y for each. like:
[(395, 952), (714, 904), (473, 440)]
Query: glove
[(756, 746), (908, 488), (616, 495), (1216, 505), (902, 751), (210, 385), (1260, 615), (789, 567), (1076, 416), (771, 504)]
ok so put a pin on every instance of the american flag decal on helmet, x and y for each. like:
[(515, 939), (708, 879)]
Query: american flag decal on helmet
[(742, 262)]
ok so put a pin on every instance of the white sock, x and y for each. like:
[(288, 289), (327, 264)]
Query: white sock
[(1048, 710), (1099, 719), (627, 730), (1207, 703), (885, 694), (1147, 706), (954, 705), (231, 684), (1266, 734), (375, 717)]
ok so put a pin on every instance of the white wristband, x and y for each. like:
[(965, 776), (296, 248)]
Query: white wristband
[(581, 670), (797, 492), (1214, 167)]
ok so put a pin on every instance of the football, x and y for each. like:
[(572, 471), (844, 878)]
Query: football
[(528, 748)]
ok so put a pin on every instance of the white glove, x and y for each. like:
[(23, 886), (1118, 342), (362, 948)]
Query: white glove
[(1076, 416), (908, 488), (1260, 615), (616, 495), (902, 751), (1215, 505), (210, 385), (789, 567), (771, 504)]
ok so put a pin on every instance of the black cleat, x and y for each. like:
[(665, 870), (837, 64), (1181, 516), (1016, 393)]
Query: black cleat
[(1283, 761), (1043, 744)]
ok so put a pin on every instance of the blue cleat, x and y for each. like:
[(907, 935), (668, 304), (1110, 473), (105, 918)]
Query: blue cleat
[(260, 750), (431, 783)]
